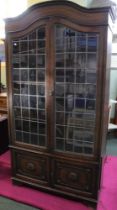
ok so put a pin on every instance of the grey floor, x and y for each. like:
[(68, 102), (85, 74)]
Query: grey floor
[(111, 146)]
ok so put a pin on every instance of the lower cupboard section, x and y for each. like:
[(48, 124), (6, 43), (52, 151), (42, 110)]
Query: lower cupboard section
[(55, 174), (76, 178)]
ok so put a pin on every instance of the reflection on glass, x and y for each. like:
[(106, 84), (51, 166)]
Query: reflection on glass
[(16, 100), (16, 76), (26, 125), (69, 103), (23, 47), (41, 46), (16, 88), (60, 118), (32, 61), (59, 91), (41, 61), (81, 43), (59, 104), (25, 113), (92, 44), (70, 60), (34, 127), (17, 112), (41, 128), (33, 114), (60, 144), (28, 79), (41, 33), (59, 45), (32, 89), (42, 140), (32, 36), (16, 61), (80, 90), (81, 60), (60, 60), (60, 75), (33, 101), (91, 61), (90, 91), (60, 131), (24, 75), (80, 103), (80, 76), (15, 47), (23, 61), (41, 90), (41, 103), (91, 77), (25, 137), (18, 135), (41, 115), (90, 104), (32, 74), (70, 42), (24, 101), (70, 75), (18, 124), (24, 89), (41, 75), (32, 47), (75, 90)]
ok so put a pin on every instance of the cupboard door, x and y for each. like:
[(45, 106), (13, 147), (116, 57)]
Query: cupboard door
[(28, 84), (76, 56), (75, 178)]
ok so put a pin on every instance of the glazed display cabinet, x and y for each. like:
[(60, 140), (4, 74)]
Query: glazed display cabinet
[(58, 58)]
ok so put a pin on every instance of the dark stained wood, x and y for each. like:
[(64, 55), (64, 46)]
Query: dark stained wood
[(70, 174), (4, 141)]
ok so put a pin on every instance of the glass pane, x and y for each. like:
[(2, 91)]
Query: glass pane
[(60, 60), (16, 75), (75, 90), (32, 89), (24, 46), (41, 61), (16, 101), (28, 83), (92, 43), (24, 74), (16, 61), (32, 74), (17, 112), (32, 61), (41, 90), (24, 89), (60, 75), (15, 47), (70, 75), (33, 102), (25, 113), (41, 33), (23, 61), (41, 75), (41, 46), (81, 43), (33, 114), (16, 88), (41, 103)]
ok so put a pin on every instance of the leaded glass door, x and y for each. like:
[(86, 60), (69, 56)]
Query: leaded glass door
[(76, 55), (28, 81)]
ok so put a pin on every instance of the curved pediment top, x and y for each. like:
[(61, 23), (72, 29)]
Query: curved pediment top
[(63, 8)]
